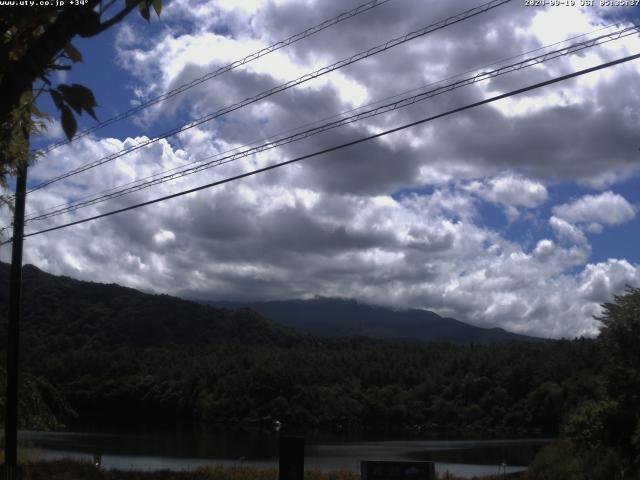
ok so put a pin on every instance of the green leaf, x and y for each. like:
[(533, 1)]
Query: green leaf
[(73, 53), (35, 111), (157, 6), (57, 98), (69, 124), (144, 10), (79, 98)]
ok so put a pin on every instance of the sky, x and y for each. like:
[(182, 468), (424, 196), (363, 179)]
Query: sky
[(519, 214)]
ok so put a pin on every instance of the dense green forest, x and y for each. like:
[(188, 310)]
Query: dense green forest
[(520, 388), (105, 351)]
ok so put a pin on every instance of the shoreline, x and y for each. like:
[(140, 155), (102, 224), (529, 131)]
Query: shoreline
[(81, 470), (151, 464), (178, 451)]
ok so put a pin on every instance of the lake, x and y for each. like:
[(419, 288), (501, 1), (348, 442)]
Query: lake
[(186, 448)]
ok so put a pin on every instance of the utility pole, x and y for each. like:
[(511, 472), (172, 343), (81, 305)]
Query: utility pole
[(13, 337)]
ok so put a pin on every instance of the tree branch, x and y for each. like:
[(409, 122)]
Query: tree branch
[(73, 21), (103, 9), (117, 17)]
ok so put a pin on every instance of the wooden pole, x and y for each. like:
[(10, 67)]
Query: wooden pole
[(13, 337)]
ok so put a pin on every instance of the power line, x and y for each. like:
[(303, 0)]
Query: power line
[(285, 86), (341, 146), (326, 119), (224, 69), (176, 173), (316, 122)]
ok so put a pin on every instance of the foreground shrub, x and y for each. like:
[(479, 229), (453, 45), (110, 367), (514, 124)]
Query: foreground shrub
[(564, 461)]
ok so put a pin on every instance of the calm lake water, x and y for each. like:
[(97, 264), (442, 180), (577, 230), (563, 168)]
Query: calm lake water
[(186, 448)]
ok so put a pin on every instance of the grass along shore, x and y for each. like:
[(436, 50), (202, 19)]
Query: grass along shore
[(67, 469)]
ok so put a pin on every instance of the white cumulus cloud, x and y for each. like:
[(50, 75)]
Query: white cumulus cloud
[(607, 208), (337, 224)]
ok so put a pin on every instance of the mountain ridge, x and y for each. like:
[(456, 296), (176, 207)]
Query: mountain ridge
[(61, 313), (341, 317)]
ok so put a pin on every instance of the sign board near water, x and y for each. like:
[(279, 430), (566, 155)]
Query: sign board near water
[(379, 470), (291, 464)]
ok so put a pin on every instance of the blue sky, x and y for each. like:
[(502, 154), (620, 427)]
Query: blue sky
[(112, 85), (520, 214), (618, 241)]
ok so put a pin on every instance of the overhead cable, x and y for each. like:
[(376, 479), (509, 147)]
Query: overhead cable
[(200, 165), (320, 121), (339, 147), (224, 69), (305, 78)]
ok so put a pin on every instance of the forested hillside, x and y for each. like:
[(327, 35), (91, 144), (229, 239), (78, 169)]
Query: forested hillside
[(113, 353), (62, 314)]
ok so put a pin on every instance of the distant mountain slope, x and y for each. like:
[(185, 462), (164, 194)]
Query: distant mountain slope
[(332, 317), (63, 314)]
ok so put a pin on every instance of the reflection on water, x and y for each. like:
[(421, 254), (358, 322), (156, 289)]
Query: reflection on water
[(185, 448)]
